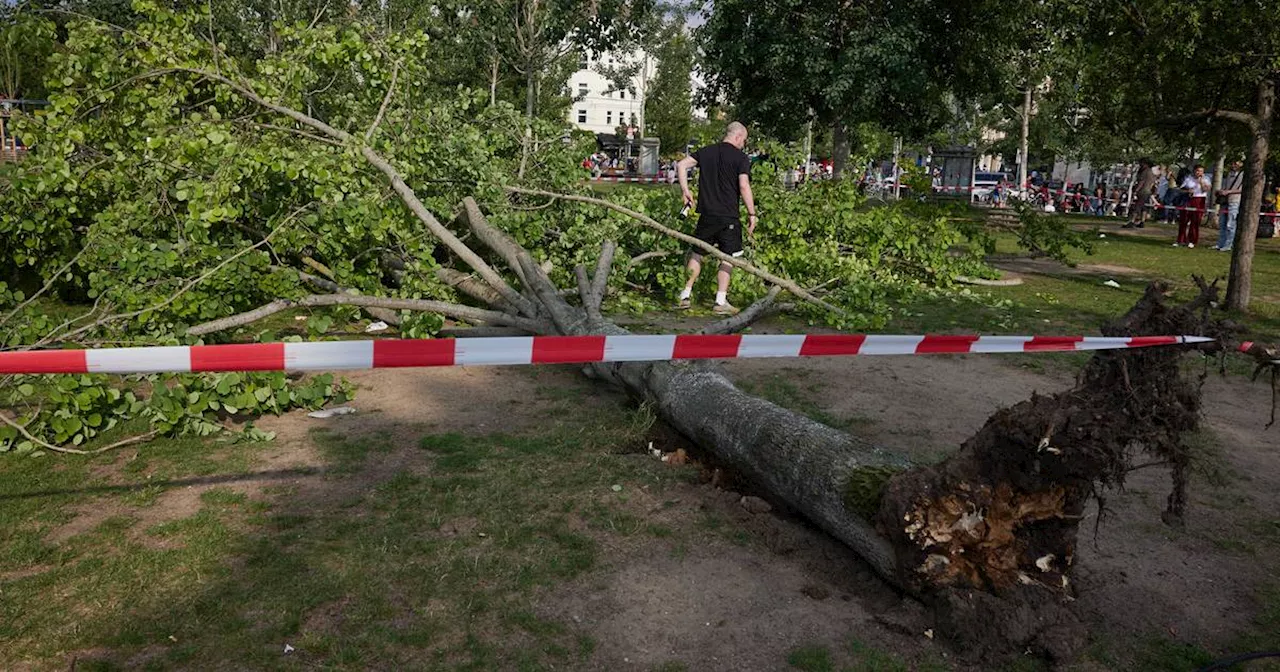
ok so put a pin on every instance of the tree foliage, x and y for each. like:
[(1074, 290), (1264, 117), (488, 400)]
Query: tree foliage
[(669, 103), (841, 63), (162, 194)]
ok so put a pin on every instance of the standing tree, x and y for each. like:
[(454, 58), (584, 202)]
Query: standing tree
[(669, 104), (839, 63), (1179, 66)]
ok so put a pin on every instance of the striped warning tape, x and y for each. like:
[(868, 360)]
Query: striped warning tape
[(337, 355)]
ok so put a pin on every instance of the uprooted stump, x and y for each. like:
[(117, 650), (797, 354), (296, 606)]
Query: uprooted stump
[(993, 529)]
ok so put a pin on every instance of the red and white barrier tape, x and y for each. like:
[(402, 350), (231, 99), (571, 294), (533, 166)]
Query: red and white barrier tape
[(337, 355), (646, 180), (1089, 197)]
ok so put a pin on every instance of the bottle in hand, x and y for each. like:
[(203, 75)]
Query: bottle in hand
[(684, 211)]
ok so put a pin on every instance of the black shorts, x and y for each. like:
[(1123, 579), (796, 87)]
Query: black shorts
[(725, 233)]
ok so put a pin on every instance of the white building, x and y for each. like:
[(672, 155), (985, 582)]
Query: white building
[(597, 106)]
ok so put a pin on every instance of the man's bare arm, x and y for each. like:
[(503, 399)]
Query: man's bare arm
[(744, 185), (682, 171)]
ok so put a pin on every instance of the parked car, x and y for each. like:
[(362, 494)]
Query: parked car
[(984, 183)]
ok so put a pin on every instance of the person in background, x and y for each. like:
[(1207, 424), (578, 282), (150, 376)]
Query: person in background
[(724, 176), (1098, 203), (1113, 202), (1229, 195), (1175, 198), (1143, 190), (1196, 187)]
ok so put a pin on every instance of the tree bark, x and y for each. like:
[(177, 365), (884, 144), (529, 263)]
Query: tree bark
[(1026, 137), (493, 83), (1219, 166), (1240, 280), (839, 149)]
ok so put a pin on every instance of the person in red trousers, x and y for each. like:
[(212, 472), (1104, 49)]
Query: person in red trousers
[(1196, 187)]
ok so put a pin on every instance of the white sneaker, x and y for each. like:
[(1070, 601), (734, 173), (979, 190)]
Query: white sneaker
[(1191, 246), (724, 309), (1177, 244)]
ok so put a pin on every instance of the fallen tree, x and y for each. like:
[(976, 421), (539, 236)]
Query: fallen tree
[(984, 536)]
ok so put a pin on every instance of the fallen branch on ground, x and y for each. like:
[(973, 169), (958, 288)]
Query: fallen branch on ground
[(451, 309), (76, 451), (706, 248)]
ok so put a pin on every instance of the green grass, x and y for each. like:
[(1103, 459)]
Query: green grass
[(781, 389), (1062, 303), (857, 657), (433, 566)]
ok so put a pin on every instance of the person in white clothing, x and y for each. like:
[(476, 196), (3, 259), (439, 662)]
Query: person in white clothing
[(1196, 186)]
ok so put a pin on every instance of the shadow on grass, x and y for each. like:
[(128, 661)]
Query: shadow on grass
[(219, 479), (410, 557)]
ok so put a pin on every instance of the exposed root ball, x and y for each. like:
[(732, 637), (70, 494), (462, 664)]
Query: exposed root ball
[(1002, 514)]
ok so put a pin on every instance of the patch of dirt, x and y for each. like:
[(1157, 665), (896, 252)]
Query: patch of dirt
[(16, 574), (326, 618), (1026, 266), (724, 607)]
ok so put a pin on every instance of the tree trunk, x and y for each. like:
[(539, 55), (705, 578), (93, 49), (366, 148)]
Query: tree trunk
[(791, 459), (1026, 137), (530, 92), (530, 96), (493, 83), (1240, 281), (839, 149), (1219, 166)]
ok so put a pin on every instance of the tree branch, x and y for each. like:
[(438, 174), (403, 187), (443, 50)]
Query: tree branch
[(407, 195), (645, 256), (293, 131), (747, 267), (756, 311), (388, 316), (183, 290), (548, 295), (471, 287), (76, 451), (451, 309), (45, 288), (600, 280), (584, 293), (382, 110), (1230, 115)]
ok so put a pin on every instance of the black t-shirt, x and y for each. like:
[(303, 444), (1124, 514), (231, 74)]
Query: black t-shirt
[(718, 169)]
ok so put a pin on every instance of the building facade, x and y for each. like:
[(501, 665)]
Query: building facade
[(599, 107)]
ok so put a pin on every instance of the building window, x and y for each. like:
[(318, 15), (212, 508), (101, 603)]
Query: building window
[(583, 61), (608, 117), (622, 93), (582, 116), (582, 89)]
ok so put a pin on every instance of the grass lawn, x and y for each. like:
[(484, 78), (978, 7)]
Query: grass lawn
[(1063, 302), (232, 580)]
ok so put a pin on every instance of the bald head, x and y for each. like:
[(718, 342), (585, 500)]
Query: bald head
[(736, 134)]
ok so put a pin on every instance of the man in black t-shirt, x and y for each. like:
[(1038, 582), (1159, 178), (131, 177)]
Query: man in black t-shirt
[(724, 173)]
